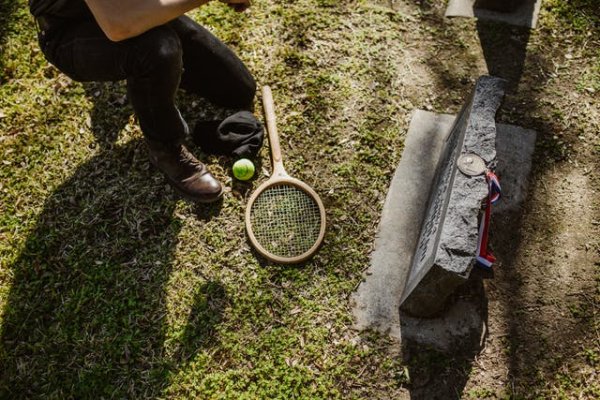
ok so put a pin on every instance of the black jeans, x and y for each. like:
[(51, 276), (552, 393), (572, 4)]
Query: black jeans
[(155, 64)]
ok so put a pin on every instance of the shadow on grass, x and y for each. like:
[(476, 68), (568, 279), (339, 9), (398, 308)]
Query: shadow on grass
[(111, 111), (85, 315)]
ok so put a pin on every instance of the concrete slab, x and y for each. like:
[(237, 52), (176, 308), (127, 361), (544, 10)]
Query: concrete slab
[(526, 15), (376, 302)]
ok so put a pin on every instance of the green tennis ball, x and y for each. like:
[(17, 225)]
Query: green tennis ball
[(243, 169)]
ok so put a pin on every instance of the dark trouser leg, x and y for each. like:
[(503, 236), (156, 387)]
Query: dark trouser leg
[(151, 63), (211, 69)]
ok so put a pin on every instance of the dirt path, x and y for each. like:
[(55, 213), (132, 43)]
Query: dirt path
[(543, 331), (543, 303)]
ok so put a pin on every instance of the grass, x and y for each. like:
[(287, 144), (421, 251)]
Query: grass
[(113, 287)]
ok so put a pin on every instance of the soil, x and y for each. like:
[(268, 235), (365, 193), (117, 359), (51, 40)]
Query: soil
[(542, 334)]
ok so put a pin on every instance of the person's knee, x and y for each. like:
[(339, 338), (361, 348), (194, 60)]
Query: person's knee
[(167, 49), (160, 48)]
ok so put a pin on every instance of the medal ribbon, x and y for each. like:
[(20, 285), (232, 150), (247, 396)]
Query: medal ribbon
[(484, 257)]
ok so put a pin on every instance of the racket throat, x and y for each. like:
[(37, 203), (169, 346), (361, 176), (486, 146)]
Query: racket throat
[(278, 170)]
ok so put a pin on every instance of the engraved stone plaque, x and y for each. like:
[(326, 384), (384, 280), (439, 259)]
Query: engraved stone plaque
[(445, 251)]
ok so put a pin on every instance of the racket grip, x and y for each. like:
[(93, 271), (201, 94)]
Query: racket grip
[(269, 108)]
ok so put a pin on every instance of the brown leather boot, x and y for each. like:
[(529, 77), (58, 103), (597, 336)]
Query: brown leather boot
[(184, 172)]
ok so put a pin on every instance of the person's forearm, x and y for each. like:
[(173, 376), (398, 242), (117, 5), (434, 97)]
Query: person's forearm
[(123, 19)]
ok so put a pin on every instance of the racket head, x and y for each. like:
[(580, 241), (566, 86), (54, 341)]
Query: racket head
[(285, 220)]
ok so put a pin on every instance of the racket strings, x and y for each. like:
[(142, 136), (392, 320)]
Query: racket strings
[(285, 220)]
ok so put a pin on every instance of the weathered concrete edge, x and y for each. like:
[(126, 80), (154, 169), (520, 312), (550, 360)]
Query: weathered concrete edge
[(521, 17), (377, 299)]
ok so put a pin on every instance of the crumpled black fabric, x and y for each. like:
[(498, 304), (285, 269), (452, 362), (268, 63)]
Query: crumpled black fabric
[(240, 135)]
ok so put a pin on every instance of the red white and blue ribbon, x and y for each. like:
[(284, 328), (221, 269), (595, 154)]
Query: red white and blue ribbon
[(484, 257)]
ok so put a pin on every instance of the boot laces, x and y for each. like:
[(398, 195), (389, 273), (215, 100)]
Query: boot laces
[(186, 157)]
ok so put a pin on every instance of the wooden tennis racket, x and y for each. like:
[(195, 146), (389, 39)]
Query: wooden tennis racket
[(285, 218)]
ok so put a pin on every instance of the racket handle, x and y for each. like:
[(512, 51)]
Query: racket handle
[(267, 98)]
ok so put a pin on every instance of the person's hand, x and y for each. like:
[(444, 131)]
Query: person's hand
[(237, 5)]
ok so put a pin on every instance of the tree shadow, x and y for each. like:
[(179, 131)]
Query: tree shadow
[(85, 315), (504, 49)]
